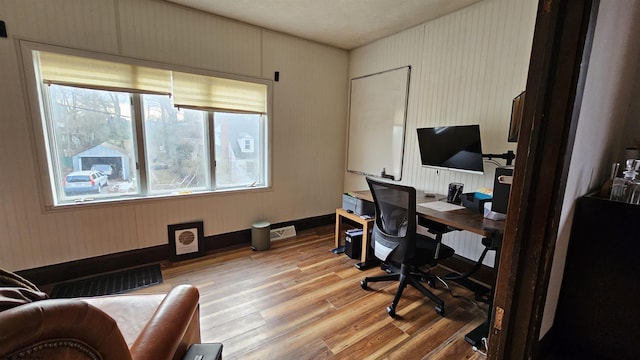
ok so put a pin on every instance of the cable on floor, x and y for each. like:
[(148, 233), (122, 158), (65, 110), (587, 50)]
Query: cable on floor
[(448, 288), (485, 344)]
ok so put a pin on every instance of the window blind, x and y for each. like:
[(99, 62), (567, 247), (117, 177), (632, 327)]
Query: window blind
[(188, 90), (214, 93), (90, 73)]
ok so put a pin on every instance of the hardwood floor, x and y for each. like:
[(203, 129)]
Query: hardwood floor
[(300, 301)]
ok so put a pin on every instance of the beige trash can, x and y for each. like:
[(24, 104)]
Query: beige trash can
[(261, 236)]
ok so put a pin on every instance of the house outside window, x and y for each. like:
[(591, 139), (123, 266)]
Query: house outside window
[(163, 133)]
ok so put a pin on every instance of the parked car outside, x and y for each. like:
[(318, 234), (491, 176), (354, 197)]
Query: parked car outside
[(103, 168), (79, 182)]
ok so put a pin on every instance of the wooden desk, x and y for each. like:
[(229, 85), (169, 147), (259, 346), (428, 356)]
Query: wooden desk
[(463, 219)]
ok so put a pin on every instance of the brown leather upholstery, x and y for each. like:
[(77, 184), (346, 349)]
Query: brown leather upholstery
[(118, 327), (9, 279), (12, 297)]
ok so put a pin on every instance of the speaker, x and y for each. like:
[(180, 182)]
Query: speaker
[(501, 190)]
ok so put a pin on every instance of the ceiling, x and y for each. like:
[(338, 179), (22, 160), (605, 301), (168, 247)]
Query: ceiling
[(345, 24)]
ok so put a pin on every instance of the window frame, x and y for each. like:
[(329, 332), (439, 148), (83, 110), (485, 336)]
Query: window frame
[(38, 107)]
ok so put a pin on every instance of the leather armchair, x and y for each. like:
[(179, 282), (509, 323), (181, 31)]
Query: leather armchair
[(115, 327)]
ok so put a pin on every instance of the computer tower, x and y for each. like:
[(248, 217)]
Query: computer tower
[(501, 191), (353, 243)]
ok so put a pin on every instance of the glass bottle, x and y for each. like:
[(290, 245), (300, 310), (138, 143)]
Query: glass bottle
[(605, 190), (635, 193), (622, 188), (634, 186)]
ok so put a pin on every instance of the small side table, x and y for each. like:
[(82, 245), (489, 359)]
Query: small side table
[(366, 222)]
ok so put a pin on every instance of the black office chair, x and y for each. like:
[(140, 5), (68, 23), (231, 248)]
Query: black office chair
[(396, 243)]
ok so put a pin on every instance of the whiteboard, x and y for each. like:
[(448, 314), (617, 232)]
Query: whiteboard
[(377, 117)]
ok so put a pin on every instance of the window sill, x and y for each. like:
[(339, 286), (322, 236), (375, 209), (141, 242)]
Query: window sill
[(89, 202)]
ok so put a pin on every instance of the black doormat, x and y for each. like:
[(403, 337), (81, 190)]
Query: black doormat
[(108, 284)]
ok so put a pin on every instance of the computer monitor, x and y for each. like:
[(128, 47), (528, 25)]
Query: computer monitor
[(451, 148)]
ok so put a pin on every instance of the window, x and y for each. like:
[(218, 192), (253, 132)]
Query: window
[(237, 162), (90, 130), (147, 131), (176, 146)]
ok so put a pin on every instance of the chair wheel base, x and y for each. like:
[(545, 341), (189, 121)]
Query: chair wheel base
[(363, 284), (440, 310), (391, 311)]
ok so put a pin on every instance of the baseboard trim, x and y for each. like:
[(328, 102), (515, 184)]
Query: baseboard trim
[(77, 269)]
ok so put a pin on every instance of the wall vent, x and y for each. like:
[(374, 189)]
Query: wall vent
[(283, 232)]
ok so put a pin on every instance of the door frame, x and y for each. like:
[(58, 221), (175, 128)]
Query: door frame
[(558, 63)]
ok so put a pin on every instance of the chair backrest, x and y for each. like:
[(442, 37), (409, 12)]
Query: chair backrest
[(394, 232)]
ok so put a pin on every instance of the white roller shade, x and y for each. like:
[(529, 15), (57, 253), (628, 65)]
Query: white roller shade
[(102, 75), (188, 90), (214, 93)]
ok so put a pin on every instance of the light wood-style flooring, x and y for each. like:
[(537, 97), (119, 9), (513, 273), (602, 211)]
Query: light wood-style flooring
[(300, 301)]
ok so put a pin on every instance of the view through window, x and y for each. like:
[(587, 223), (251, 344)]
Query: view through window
[(97, 139)]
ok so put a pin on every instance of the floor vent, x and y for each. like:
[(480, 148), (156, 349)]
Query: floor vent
[(283, 232)]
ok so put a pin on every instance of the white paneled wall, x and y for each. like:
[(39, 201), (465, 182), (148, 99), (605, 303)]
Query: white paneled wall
[(313, 151), (163, 31), (307, 142), (85, 24), (465, 69)]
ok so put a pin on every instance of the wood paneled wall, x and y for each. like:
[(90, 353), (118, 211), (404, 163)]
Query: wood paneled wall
[(466, 68), (307, 126)]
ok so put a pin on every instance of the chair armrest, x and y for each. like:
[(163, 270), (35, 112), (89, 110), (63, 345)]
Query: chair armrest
[(173, 327), (60, 328)]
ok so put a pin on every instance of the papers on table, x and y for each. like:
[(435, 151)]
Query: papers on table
[(441, 206)]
